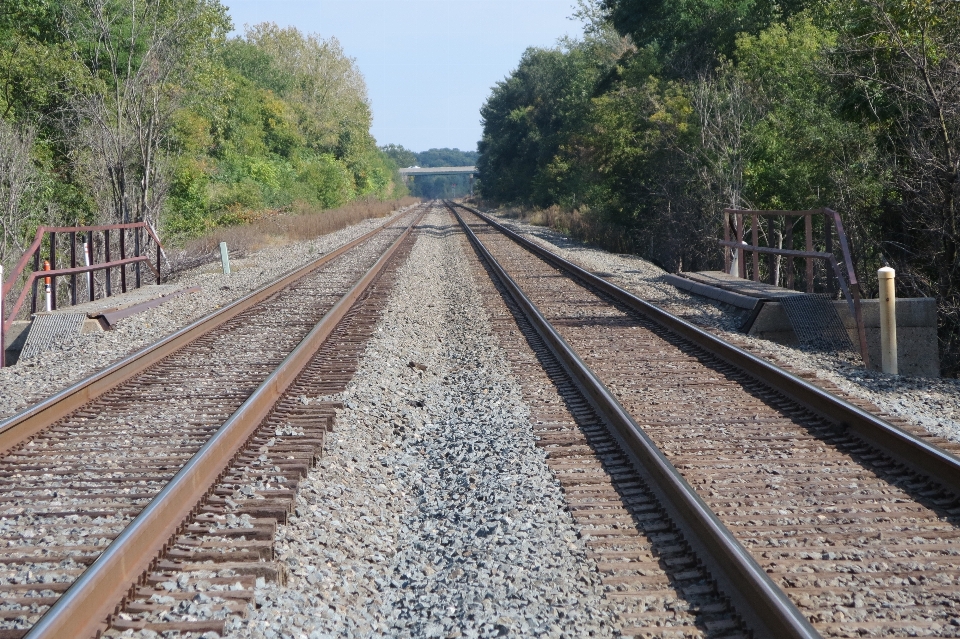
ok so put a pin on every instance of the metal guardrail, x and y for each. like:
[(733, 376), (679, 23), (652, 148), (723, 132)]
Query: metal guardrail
[(95, 242), (735, 250)]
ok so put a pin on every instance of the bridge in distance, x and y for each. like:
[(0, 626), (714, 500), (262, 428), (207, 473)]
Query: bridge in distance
[(412, 171)]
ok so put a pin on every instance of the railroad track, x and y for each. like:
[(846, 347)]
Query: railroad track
[(147, 495), (721, 495)]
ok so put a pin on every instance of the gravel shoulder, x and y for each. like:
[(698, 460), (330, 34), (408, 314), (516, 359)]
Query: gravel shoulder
[(433, 513), (933, 404), (32, 380)]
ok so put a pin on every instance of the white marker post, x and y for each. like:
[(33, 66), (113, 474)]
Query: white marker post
[(888, 320), (46, 281), (225, 258), (86, 259)]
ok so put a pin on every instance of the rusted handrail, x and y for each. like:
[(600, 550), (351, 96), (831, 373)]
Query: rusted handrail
[(41, 231), (846, 276), (33, 252), (36, 275)]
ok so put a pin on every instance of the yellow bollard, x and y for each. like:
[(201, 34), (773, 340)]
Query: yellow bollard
[(888, 320)]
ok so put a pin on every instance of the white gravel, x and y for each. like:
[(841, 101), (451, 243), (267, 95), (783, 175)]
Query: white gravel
[(933, 404), (433, 513), (31, 380)]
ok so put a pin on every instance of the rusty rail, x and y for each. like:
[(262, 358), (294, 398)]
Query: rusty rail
[(904, 447), (735, 250), (763, 605), (19, 427), (84, 606), (107, 265)]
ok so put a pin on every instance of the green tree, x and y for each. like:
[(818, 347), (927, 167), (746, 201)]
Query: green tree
[(900, 66), (142, 56), (283, 118), (39, 69), (529, 116), (694, 33), (400, 156), (806, 154), (143, 109)]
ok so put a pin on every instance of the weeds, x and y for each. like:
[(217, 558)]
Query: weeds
[(303, 223), (577, 224)]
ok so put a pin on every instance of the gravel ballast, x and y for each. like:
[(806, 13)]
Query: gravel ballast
[(433, 513), (31, 380), (933, 404)]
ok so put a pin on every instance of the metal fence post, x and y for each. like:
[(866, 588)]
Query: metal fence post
[(3, 333), (52, 282), (73, 264), (88, 259), (106, 259)]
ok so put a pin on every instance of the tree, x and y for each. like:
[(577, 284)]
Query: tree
[(401, 156), (19, 181), (141, 55), (325, 86), (39, 69), (695, 33), (901, 60), (529, 116)]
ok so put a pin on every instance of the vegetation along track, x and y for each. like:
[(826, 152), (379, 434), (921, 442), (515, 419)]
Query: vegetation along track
[(164, 447), (812, 515)]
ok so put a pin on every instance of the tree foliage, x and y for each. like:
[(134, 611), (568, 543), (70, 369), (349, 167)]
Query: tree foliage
[(704, 104), (285, 119), (695, 31), (117, 110)]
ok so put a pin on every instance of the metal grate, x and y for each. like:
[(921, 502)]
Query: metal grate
[(817, 323), (49, 329)]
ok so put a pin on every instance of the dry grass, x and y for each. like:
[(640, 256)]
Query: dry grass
[(578, 225), (303, 223)]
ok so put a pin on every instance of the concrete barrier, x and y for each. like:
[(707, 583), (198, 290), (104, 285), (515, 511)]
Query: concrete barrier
[(714, 293), (918, 351), (14, 340)]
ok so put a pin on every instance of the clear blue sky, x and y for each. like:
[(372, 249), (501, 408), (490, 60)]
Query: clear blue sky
[(429, 64)]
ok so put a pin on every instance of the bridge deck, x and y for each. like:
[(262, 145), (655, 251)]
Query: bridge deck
[(439, 170)]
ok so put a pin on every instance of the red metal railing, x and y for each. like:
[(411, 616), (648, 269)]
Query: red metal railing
[(735, 250), (98, 244)]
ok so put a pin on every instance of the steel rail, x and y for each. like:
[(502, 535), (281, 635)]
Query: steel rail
[(908, 449), (81, 610), (758, 600), (23, 425)]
